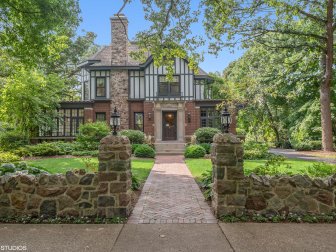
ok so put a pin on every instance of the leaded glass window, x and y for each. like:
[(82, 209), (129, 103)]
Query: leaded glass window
[(169, 88)]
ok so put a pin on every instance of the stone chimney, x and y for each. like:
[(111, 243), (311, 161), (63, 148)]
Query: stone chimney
[(119, 32)]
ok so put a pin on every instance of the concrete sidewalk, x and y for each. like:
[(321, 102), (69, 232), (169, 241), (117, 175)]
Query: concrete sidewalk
[(171, 237)]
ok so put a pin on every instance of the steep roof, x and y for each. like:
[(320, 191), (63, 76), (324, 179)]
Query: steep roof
[(103, 58)]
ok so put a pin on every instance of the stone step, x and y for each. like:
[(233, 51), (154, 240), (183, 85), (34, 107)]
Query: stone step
[(170, 146), (169, 153)]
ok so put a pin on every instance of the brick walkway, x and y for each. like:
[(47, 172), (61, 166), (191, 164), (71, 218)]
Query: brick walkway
[(171, 195)]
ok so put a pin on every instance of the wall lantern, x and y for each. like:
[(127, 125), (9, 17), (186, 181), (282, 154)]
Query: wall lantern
[(115, 121), (149, 116), (225, 120), (189, 117)]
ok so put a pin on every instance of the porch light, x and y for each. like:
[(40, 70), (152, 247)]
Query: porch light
[(115, 121), (225, 120), (149, 116)]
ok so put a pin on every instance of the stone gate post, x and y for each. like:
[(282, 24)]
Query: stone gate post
[(227, 168), (114, 177)]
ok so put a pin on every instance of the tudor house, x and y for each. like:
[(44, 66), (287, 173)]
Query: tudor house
[(146, 101)]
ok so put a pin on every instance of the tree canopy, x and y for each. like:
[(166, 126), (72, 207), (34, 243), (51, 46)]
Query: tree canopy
[(288, 27), (39, 54)]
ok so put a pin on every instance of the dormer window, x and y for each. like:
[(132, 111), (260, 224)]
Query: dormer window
[(100, 87), (169, 87)]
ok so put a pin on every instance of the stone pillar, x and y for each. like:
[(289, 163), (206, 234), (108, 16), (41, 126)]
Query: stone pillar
[(114, 177), (228, 173)]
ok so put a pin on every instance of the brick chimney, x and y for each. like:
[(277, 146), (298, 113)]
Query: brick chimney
[(119, 31)]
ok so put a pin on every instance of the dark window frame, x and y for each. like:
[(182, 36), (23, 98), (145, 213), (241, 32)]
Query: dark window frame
[(210, 118), (169, 93), (66, 124), (143, 121), (101, 113), (100, 96)]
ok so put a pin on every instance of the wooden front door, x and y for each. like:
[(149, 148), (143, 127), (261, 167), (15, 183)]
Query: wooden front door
[(169, 127)]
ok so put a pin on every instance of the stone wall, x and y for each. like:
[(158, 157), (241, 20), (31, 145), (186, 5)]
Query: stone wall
[(119, 95), (106, 193), (235, 194)]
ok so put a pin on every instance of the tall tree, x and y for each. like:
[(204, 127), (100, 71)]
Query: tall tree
[(34, 31), (29, 98), (39, 54), (297, 25)]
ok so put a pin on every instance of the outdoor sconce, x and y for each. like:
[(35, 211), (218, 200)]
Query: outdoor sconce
[(149, 116), (189, 117), (115, 121), (225, 120)]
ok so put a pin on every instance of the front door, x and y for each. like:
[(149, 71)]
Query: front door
[(169, 128)]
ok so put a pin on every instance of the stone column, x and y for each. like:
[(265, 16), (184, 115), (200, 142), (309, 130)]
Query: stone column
[(228, 173), (114, 177)]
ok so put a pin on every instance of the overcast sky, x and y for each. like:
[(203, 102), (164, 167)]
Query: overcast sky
[(96, 18)]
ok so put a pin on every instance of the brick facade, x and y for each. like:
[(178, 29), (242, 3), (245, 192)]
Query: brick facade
[(149, 118), (192, 118), (136, 106), (97, 107)]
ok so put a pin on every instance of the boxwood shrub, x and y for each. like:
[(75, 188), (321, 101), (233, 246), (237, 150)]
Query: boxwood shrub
[(91, 133), (144, 151), (206, 134), (134, 146), (135, 136), (194, 151), (11, 140), (207, 147)]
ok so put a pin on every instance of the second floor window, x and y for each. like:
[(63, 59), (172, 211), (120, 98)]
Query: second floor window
[(100, 87), (169, 87)]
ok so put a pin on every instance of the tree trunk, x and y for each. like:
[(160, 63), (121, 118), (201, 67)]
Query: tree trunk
[(327, 63)]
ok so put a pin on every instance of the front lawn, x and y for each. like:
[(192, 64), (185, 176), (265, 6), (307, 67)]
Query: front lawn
[(140, 167), (198, 166)]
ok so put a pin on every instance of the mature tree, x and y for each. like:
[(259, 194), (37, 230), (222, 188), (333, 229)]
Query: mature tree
[(300, 25), (35, 31), (39, 54), (280, 93), (29, 98), (66, 65)]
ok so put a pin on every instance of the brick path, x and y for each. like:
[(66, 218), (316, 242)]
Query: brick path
[(171, 195)]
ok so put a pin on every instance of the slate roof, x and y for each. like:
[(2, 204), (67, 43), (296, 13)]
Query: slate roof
[(103, 58)]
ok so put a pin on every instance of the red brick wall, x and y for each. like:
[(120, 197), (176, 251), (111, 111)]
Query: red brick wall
[(195, 114), (102, 107), (149, 122), (88, 115), (134, 107)]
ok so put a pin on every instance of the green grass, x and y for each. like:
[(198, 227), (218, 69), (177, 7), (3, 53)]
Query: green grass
[(198, 166), (140, 167)]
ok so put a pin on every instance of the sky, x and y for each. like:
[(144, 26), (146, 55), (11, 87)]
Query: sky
[(96, 18)]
